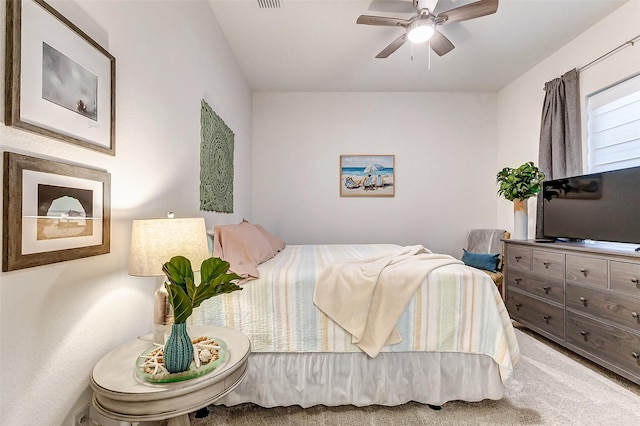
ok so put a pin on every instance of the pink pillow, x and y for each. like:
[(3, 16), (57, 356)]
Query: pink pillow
[(276, 243), (244, 246)]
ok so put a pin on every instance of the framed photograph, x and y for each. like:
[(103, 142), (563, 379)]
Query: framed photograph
[(53, 212), (60, 82), (367, 176)]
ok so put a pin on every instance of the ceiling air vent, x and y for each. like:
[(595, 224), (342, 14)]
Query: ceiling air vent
[(269, 4)]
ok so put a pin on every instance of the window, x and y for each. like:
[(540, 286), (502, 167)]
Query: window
[(613, 126)]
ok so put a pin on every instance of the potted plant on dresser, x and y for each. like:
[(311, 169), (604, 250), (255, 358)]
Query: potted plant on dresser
[(518, 185)]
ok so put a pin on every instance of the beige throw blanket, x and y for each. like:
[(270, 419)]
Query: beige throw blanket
[(367, 296)]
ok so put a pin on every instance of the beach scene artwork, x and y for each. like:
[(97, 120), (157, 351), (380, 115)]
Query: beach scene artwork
[(62, 212), (367, 175)]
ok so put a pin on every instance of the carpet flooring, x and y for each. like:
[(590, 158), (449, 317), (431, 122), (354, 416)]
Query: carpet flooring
[(549, 386)]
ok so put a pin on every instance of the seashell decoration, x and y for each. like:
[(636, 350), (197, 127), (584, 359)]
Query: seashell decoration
[(205, 350)]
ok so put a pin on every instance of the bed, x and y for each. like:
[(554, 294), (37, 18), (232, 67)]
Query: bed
[(457, 339)]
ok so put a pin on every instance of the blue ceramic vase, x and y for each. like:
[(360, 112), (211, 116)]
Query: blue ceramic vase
[(178, 350)]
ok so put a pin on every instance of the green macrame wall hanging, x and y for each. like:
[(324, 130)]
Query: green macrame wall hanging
[(216, 162)]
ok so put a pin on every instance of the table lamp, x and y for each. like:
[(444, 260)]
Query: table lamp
[(153, 243)]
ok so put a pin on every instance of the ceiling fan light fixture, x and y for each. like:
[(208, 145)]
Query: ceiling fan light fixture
[(420, 31)]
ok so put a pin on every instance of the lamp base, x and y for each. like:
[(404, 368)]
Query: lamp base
[(162, 316)]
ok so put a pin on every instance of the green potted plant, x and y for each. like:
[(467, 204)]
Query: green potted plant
[(518, 185), (184, 296)]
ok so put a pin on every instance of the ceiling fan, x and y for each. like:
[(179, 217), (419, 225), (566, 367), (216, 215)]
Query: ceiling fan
[(423, 26)]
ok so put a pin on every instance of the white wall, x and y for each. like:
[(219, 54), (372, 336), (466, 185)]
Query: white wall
[(58, 320), (520, 103), (445, 157)]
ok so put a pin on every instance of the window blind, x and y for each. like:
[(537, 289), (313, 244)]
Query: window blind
[(613, 127)]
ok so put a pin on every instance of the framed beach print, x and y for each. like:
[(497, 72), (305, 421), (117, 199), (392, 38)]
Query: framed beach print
[(60, 82), (53, 212), (367, 176)]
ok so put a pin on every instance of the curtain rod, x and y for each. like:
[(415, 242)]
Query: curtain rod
[(611, 52)]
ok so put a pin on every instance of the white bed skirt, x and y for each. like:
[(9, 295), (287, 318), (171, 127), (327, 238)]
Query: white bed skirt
[(332, 379)]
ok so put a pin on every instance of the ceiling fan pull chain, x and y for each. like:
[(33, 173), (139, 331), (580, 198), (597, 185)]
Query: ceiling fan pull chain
[(411, 52), (429, 61)]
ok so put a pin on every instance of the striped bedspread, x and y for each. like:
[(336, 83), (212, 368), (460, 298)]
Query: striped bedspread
[(456, 309)]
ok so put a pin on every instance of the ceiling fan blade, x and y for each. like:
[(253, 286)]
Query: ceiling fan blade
[(469, 11), (440, 44), (395, 45), (382, 20)]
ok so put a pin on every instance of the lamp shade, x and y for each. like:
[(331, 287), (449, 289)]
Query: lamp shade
[(155, 241)]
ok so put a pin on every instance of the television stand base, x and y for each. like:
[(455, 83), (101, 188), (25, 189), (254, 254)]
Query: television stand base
[(570, 240)]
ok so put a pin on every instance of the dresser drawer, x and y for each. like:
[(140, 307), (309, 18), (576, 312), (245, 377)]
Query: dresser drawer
[(614, 345), (588, 270), (621, 309), (518, 257), (536, 313), (625, 277), (545, 287), (548, 264)]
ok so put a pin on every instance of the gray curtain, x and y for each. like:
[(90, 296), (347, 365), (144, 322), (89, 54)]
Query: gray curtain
[(560, 135)]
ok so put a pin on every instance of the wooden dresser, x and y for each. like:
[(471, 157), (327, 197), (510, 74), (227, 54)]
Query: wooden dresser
[(582, 297)]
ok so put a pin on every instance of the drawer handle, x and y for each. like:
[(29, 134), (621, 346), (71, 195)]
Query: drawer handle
[(584, 334), (584, 301), (546, 264), (635, 355), (517, 280), (546, 318), (635, 315), (518, 305), (584, 271), (517, 258), (546, 289), (634, 280)]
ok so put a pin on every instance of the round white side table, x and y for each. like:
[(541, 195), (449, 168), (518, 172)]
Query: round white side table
[(120, 394)]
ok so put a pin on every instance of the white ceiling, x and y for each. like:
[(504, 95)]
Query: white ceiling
[(311, 45)]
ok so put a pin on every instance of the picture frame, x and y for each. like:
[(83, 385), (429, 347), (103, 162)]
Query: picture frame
[(60, 83), (53, 212), (367, 176)]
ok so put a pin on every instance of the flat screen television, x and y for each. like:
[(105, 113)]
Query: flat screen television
[(600, 206)]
